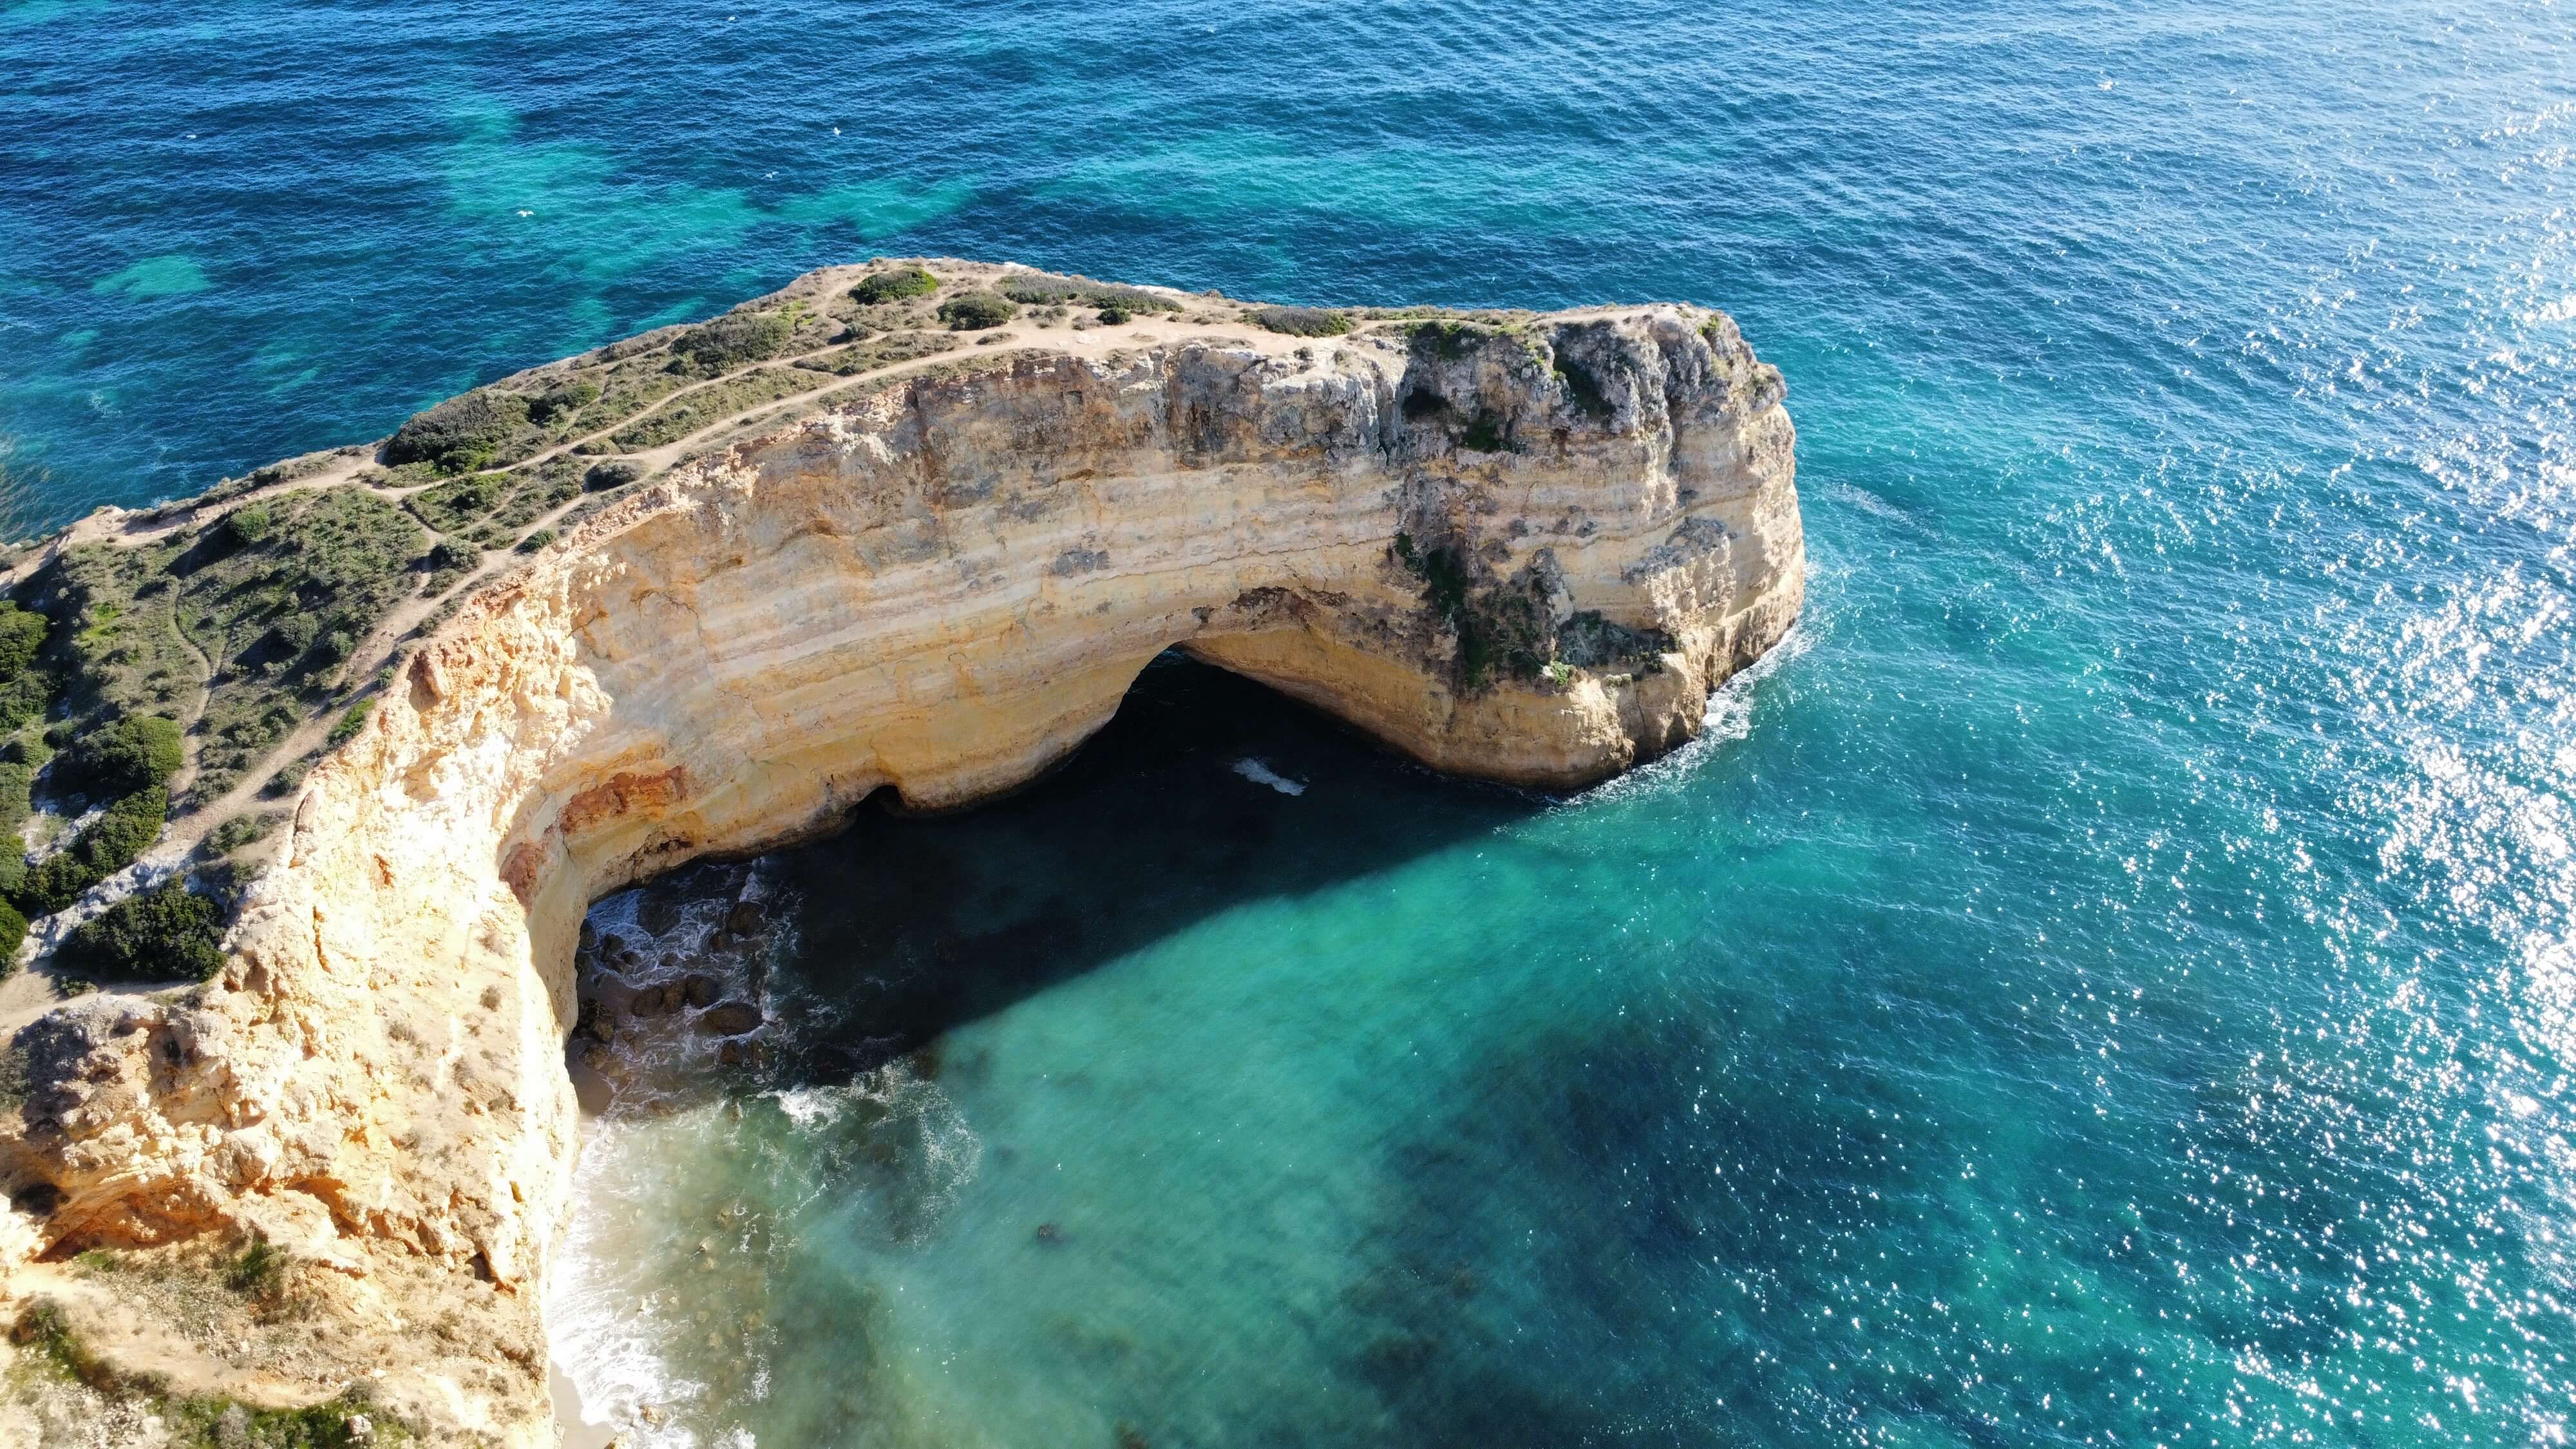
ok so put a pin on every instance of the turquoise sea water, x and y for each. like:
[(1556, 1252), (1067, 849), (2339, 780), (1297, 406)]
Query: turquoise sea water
[(2111, 980)]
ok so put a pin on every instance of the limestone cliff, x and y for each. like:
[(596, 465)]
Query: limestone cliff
[(1523, 551)]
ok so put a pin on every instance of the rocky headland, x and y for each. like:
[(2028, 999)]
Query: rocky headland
[(904, 527)]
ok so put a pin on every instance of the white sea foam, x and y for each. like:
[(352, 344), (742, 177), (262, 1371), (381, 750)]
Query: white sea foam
[(1869, 503), (605, 1322), (810, 1106), (1730, 718), (1260, 773)]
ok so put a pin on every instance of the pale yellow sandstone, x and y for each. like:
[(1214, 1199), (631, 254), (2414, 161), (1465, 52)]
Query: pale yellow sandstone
[(1526, 554)]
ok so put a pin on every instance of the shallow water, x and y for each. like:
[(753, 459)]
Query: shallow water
[(2111, 983)]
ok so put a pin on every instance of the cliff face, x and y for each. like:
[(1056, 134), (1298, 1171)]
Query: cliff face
[(1522, 553)]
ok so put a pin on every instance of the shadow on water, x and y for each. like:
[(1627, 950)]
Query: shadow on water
[(1205, 791)]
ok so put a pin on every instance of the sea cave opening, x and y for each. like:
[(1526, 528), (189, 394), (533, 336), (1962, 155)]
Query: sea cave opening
[(818, 963)]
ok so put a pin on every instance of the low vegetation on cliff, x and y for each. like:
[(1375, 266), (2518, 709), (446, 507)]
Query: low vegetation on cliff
[(1045, 289), (1303, 321), (976, 311), (50, 1347), (899, 284)]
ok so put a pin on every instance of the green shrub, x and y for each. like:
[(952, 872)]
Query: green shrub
[(1448, 339), (1114, 315), (289, 777), (337, 643), (24, 698), (22, 633), (258, 1270), (163, 934), (536, 540), (289, 637), (460, 434), (975, 311), (561, 401), (241, 830), (450, 554), (604, 476), (15, 779), (14, 808), (248, 525), (351, 722), (136, 752), (735, 339), (1303, 321), (895, 286), (13, 933), (107, 845), (25, 687), (1045, 289)]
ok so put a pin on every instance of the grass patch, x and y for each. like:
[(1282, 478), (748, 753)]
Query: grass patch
[(258, 1270), (1046, 289), (1449, 340), (879, 352), (240, 831), (488, 509), (207, 1422), (276, 618), (1303, 321), (351, 722), (448, 560), (710, 405), (563, 401), (115, 646), (626, 387)]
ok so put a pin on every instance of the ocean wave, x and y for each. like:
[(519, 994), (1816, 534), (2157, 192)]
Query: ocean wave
[(1260, 773)]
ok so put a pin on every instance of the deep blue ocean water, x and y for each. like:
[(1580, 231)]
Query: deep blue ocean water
[(2109, 980)]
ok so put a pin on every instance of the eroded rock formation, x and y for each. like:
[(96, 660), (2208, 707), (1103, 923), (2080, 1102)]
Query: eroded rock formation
[(1523, 552)]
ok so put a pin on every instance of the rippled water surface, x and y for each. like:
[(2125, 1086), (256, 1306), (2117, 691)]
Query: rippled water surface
[(2109, 982)]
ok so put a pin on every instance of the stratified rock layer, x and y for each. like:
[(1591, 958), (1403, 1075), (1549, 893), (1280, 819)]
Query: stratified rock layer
[(1525, 553)]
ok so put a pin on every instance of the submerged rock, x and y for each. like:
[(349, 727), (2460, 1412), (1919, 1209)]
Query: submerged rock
[(730, 1018), (660, 999)]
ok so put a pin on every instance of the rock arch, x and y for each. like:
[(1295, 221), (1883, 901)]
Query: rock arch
[(1525, 553)]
